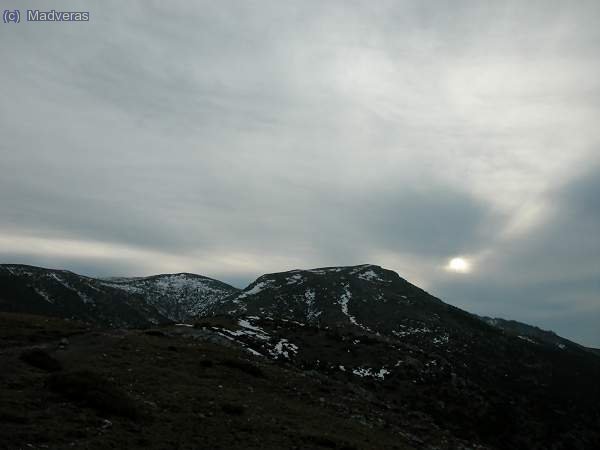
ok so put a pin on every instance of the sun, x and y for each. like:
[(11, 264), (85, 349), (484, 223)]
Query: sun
[(458, 265)]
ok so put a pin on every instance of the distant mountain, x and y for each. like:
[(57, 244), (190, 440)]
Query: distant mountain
[(179, 297), (65, 294), (534, 335), (121, 302)]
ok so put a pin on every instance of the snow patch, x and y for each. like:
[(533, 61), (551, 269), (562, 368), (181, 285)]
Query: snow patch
[(408, 331), (440, 340), (44, 295), (254, 352), (324, 271), (368, 372), (258, 287), (16, 270), (249, 330), (311, 311), (527, 338), (284, 348), (492, 322), (360, 268), (84, 298), (343, 302), (297, 278), (370, 275)]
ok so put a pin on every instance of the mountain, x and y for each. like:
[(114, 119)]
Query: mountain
[(121, 302), (178, 297), (366, 298), (534, 334), (61, 293), (367, 325), (337, 357)]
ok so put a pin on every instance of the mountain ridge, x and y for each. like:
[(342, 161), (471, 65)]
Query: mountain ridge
[(448, 376), (119, 302), (187, 312)]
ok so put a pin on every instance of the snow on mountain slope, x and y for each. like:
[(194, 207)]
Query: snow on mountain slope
[(366, 297), (115, 302), (364, 300), (35, 290), (178, 297)]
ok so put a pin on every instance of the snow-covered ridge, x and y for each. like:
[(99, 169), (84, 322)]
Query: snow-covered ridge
[(161, 282), (178, 297)]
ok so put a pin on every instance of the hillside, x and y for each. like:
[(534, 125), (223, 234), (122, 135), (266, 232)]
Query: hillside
[(535, 335), (465, 375), (178, 297), (120, 302), (366, 297), (340, 357)]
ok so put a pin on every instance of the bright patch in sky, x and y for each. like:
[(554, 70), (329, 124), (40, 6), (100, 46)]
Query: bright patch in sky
[(459, 265)]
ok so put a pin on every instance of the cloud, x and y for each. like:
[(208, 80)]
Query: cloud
[(237, 138), (437, 221), (550, 276)]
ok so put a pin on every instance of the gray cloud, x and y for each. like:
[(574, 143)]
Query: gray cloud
[(435, 221), (237, 138), (549, 277)]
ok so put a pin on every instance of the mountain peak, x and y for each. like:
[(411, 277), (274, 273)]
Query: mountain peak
[(365, 296), (368, 272)]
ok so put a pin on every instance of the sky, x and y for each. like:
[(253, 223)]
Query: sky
[(237, 138)]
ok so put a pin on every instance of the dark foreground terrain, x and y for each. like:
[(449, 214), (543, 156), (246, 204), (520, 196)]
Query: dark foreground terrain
[(330, 358), (66, 385), (156, 389)]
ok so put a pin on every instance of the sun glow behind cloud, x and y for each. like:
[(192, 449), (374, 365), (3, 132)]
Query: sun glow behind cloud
[(459, 265)]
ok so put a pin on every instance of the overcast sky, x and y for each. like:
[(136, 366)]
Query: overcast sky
[(237, 138)]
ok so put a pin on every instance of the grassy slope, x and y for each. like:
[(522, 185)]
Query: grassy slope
[(153, 391)]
